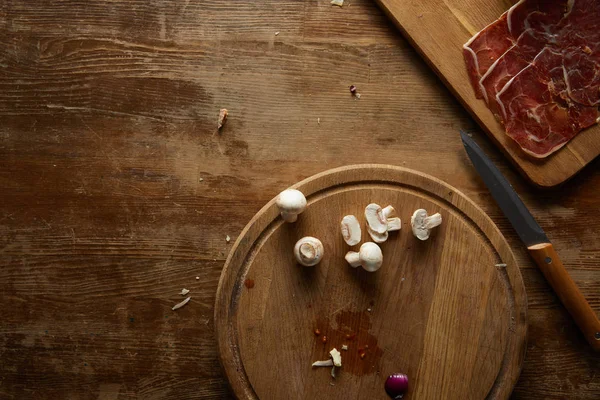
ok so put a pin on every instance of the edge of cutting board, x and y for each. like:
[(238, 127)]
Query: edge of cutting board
[(231, 283), (437, 29)]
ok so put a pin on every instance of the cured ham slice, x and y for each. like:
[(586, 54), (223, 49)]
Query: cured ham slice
[(506, 67), (545, 86), (538, 112), (484, 49)]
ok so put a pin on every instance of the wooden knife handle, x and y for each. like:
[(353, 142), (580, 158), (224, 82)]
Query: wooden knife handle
[(553, 269)]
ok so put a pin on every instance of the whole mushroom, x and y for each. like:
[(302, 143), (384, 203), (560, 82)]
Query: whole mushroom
[(422, 223), (308, 251), (291, 202), (369, 257)]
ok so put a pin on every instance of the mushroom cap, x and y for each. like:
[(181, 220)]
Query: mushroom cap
[(308, 251), (371, 256), (291, 201)]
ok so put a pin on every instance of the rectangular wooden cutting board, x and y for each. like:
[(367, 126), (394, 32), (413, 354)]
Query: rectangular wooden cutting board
[(438, 29)]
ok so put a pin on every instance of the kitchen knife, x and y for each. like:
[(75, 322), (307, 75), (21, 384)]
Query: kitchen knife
[(537, 242)]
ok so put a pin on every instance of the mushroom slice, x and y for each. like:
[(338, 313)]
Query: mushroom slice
[(375, 219), (377, 237), (336, 356), (422, 223), (351, 230)]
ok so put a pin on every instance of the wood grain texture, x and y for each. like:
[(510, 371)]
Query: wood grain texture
[(108, 111), (438, 310), (438, 29)]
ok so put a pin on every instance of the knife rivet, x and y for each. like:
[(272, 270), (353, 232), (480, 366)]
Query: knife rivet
[(597, 335), (548, 260)]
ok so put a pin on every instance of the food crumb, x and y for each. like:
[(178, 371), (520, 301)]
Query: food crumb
[(402, 280), (362, 355), (338, 3), (352, 89), (368, 309), (345, 347), (317, 332), (227, 239), (332, 384), (502, 265), (223, 113), (319, 121), (357, 96), (201, 180), (324, 340), (276, 33), (197, 278), (184, 291), (183, 303)]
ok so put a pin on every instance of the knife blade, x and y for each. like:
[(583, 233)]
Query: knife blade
[(530, 232), (538, 244)]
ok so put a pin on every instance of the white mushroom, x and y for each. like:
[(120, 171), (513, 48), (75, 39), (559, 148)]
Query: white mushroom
[(369, 257), (336, 356), (381, 221), (308, 251), (375, 218), (377, 237), (351, 230), (388, 212), (422, 223), (394, 224), (291, 202)]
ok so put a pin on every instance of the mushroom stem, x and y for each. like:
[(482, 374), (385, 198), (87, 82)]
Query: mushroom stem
[(353, 258), (388, 212), (289, 217), (433, 220)]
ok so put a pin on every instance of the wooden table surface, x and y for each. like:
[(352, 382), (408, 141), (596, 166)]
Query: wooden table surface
[(117, 192)]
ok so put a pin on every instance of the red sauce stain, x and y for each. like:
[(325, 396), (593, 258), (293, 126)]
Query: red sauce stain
[(324, 340), (249, 283), (353, 325)]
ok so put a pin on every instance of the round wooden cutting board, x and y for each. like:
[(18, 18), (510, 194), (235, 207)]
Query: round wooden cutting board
[(441, 311)]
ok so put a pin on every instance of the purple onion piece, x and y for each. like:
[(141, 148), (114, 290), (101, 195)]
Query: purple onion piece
[(396, 385)]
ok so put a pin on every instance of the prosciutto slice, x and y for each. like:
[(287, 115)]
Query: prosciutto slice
[(545, 85)]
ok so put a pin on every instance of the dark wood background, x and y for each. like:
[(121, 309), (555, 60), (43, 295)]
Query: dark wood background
[(117, 191)]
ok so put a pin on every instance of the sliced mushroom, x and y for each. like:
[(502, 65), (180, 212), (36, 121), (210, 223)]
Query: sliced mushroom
[(351, 230), (375, 218), (377, 237), (291, 202), (394, 224), (308, 251), (336, 356), (422, 223), (369, 257), (388, 212)]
